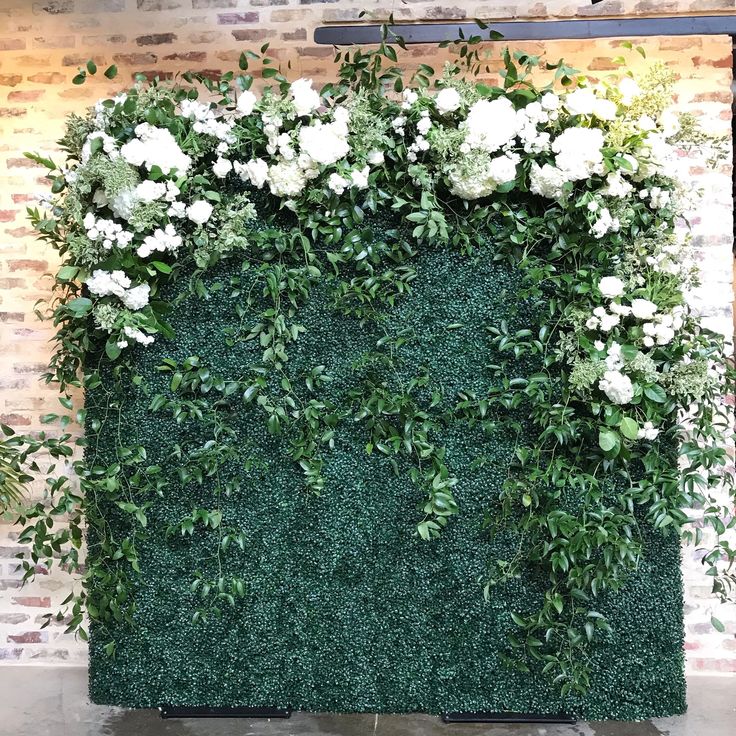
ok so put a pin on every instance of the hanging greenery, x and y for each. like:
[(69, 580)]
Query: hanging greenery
[(577, 185)]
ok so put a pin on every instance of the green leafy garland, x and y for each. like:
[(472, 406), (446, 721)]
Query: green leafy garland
[(576, 190)]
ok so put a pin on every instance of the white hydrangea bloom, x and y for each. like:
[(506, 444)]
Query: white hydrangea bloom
[(604, 224), (286, 179), (643, 308), (325, 143), (108, 283), (150, 191), (306, 100), (108, 232), (337, 183), (611, 286), (409, 97), (375, 157), (629, 90), (137, 297), (199, 212), (616, 186), (550, 101), (491, 124), (604, 109), (546, 181), (579, 153), (617, 387), (580, 102), (166, 239), (135, 334), (483, 177), (647, 432), (447, 100), (614, 357), (155, 147), (359, 177)]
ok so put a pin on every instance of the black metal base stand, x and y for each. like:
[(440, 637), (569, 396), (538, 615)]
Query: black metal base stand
[(489, 717), (204, 711)]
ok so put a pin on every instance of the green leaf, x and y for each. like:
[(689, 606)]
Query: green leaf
[(91, 67), (79, 307), (67, 273), (608, 440), (162, 267), (111, 72), (656, 393), (717, 624), (629, 428), (111, 349)]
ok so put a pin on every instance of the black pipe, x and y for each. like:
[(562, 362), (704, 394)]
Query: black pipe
[(701, 25)]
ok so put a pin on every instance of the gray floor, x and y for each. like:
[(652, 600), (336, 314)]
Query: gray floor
[(45, 701)]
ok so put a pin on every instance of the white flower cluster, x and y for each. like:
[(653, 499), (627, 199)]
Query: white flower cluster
[(207, 121), (154, 146), (605, 222), (447, 100), (617, 386), (578, 152), (116, 283), (125, 201), (306, 100), (108, 231), (480, 176), (490, 125), (109, 145), (166, 239), (135, 334)]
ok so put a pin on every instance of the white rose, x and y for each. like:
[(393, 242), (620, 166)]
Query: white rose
[(629, 89), (134, 152), (199, 212), (222, 167), (255, 171), (617, 387), (549, 101), (375, 157), (246, 102), (150, 191), (643, 308), (604, 109), (611, 286), (447, 100), (581, 102), (306, 100)]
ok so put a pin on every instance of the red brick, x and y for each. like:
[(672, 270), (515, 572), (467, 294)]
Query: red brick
[(232, 19), (32, 601), (28, 637), (252, 34), (8, 215), (25, 95), (12, 44), (135, 58), (10, 80), (53, 42), (17, 420), (47, 78), (27, 264), (186, 56), (155, 39)]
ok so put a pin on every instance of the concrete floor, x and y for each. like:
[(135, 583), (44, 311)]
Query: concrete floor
[(46, 701)]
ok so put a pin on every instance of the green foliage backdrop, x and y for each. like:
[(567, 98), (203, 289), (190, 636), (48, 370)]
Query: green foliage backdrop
[(345, 607)]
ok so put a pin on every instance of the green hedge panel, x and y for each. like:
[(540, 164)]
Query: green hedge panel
[(345, 608)]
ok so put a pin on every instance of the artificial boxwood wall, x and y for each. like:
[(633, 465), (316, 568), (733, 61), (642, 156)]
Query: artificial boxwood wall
[(345, 608)]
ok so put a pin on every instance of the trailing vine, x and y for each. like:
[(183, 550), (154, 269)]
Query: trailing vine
[(338, 190)]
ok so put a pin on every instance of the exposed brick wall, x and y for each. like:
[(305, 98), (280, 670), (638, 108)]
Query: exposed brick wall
[(41, 45)]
